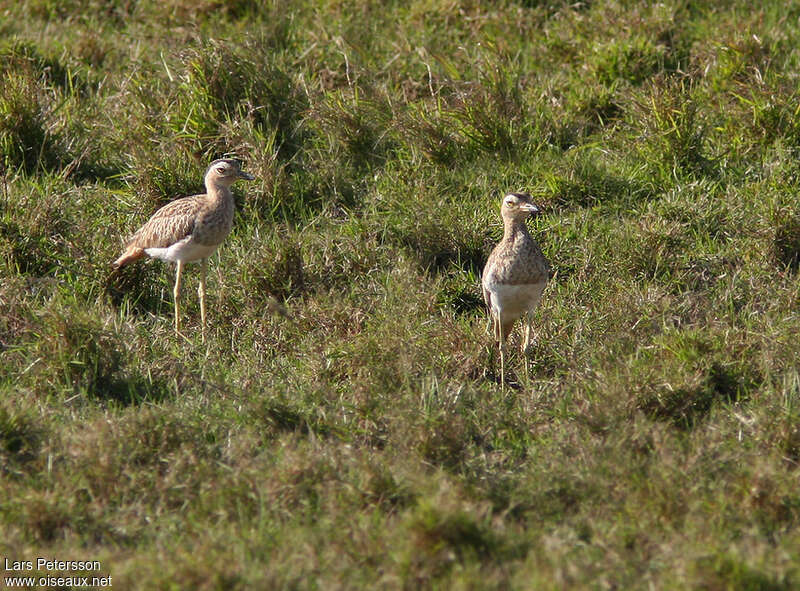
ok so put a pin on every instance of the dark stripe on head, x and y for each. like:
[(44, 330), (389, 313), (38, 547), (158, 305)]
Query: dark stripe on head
[(229, 161)]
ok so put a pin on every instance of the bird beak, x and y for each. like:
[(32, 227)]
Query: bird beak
[(529, 207), (246, 175)]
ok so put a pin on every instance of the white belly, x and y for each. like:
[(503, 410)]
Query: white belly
[(185, 251), (512, 301)]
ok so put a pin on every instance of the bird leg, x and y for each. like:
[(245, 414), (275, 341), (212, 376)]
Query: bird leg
[(502, 343), (177, 294), (526, 343), (527, 340), (201, 292)]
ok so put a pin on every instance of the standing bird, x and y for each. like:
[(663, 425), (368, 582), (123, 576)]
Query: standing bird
[(189, 229), (515, 273)]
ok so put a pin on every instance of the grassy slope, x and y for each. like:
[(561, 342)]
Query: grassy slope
[(345, 426)]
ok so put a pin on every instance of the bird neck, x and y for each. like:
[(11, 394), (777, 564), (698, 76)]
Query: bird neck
[(217, 192), (514, 229)]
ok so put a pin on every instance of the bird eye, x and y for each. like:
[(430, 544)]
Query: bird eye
[(221, 170)]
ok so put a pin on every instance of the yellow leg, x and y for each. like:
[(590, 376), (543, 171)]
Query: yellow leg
[(502, 343), (201, 292), (525, 365), (526, 343), (176, 293)]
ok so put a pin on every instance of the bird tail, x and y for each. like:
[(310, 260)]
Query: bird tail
[(132, 253)]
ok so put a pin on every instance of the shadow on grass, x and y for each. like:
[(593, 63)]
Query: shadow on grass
[(443, 538), (460, 295), (30, 254), (21, 437), (439, 249), (283, 417), (786, 244), (128, 390), (728, 572), (589, 184), (101, 365), (687, 406), (136, 286)]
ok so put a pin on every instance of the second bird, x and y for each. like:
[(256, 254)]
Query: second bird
[(515, 273), (189, 229)]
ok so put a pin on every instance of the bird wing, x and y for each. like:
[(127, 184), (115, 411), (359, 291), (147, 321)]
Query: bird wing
[(170, 224), (487, 296)]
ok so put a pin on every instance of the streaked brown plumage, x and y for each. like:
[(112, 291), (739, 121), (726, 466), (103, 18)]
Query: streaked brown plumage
[(189, 229), (515, 274)]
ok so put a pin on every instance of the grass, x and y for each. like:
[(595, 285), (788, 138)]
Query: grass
[(344, 425)]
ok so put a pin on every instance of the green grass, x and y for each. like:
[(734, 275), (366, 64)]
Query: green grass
[(344, 425)]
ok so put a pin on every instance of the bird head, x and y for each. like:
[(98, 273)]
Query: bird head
[(518, 206), (226, 171)]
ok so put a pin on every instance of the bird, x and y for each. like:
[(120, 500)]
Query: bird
[(515, 274), (189, 229)]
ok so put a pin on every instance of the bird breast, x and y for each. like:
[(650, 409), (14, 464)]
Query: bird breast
[(214, 224), (512, 301), (518, 263)]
